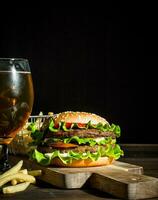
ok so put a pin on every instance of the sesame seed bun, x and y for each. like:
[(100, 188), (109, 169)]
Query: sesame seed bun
[(79, 117), (83, 163)]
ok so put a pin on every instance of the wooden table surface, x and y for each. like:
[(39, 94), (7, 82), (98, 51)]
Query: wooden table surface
[(143, 155)]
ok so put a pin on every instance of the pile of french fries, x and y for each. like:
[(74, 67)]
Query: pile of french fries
[(18, 178)]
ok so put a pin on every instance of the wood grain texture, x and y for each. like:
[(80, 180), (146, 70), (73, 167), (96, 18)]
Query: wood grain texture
[(125, 184)]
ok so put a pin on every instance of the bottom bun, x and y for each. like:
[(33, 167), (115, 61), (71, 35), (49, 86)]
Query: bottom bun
[(83, 163)]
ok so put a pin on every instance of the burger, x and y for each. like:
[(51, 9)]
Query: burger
[(75, 139)]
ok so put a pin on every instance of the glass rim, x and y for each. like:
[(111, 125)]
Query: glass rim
[(14, 59), (18, 64)]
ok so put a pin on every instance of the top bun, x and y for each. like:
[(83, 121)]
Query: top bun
[(79, 117)]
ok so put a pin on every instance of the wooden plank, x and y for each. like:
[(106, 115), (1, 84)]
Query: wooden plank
[(122, 180), (125, 185), (136, 169)]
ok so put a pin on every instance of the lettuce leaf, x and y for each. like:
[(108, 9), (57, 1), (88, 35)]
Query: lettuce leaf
[(89, 141), (112, 151), (40, 157), (106, 127), (51, 126), (82, 141), (37, 137), (32, 127)]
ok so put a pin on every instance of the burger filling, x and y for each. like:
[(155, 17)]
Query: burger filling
[(68, 141)]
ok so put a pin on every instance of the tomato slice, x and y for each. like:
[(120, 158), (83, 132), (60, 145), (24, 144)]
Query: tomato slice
[(56, 126), (80, 125), (68, 125), (63, 145)]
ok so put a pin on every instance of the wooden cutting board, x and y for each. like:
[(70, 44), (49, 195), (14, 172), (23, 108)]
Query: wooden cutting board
[(120, 179)]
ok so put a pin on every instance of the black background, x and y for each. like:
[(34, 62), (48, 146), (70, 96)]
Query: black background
[(98, 60)]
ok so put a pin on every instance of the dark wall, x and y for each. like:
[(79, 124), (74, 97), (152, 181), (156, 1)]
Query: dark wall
[(86, 60)]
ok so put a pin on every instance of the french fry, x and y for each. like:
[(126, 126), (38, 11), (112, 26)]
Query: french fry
[(16, 188), (18, 177), (23, 171), (13, 170), (14, 182), (35, 172)]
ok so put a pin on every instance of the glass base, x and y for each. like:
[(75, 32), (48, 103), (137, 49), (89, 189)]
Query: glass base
[(4, 163), (4, 166)]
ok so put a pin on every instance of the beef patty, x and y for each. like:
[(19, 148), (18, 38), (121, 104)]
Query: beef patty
[(86, 133), (81, 148)]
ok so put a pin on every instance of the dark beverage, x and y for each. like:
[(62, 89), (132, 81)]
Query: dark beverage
[(16, 101)]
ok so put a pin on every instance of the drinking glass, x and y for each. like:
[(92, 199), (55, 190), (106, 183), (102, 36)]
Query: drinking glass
[(16, 101)]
